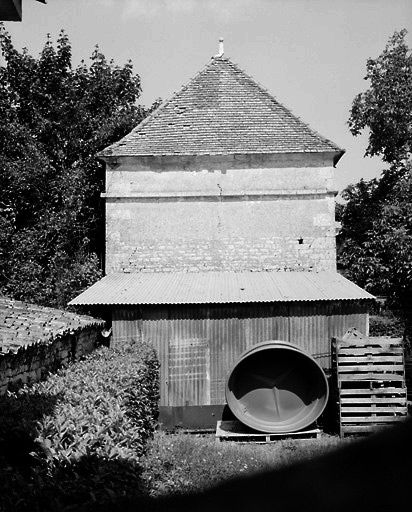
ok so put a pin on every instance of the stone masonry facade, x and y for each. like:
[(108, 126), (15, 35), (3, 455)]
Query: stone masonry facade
[(275, 212), (221, 177)]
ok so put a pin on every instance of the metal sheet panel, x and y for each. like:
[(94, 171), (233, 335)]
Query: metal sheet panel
[(219, 288), (155, 328), (309, 329), (198, 345), (345, 315), (202, 417), (189, 372), (124, 325)]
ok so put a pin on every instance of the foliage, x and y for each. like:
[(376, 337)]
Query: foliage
[(386, 107), (386, 324), (181, 463), (375, 243), (53, 121), (107, 407), (87, 427)]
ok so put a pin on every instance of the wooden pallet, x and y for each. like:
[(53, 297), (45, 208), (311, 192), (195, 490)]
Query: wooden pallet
[(236, 431), (369, 377)]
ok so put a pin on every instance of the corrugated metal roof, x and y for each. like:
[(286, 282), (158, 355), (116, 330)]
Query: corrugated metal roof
[(221, 110), (219, 287)]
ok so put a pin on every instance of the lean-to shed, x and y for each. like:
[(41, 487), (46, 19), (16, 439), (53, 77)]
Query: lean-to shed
[(200, 323)]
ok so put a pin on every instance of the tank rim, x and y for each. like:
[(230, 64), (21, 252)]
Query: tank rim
[(280, 427)]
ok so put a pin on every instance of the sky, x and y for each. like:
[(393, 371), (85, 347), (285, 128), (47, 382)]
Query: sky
[(309, 54)]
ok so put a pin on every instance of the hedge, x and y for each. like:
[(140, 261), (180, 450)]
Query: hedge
[(75, 440)]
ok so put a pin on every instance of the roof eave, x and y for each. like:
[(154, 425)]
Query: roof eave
[(111, 304), (335, 154), (338, 156)]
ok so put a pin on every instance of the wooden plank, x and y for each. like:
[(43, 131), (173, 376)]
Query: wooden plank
[(368, 346), (372, 367), (236, 431), (368, 342), (371, 419), (369, 350), (364, 353), (393, 351), (374, 391), (371, 358), (371, 362), (358, 351), (373, 409), (355, 429), (370, 376), (373, 400)]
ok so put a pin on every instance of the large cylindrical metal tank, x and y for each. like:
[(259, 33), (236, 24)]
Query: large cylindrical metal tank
[(276, 387)]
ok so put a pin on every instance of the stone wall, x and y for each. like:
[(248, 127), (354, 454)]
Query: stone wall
[(231, 235), (275, 212), (33, 362)]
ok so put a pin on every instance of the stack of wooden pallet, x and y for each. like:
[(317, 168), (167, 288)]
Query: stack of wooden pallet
[(369, 376)]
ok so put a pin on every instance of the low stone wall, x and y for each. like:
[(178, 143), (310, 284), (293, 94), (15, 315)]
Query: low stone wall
[(33, 362)]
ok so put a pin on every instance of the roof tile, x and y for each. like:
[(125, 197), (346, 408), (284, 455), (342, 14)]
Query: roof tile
[(24, 324), (221, 110)]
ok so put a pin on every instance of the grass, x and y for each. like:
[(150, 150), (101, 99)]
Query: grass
[(184, 463)]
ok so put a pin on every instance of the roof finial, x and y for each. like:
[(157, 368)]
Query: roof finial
[(221, 49)]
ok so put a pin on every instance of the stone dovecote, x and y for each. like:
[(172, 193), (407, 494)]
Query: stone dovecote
[(220, 177)]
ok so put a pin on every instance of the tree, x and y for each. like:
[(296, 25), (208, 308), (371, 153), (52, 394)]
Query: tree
[(53, 120), (386, 107), (375, 242)]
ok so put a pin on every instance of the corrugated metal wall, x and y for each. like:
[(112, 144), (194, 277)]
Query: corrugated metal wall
[(198, 345)]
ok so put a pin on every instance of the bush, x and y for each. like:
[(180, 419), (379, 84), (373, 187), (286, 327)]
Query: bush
[(85, 429), (386, 324), (108, 406)]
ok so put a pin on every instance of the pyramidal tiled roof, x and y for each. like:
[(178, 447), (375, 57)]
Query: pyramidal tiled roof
[(221, 110)]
